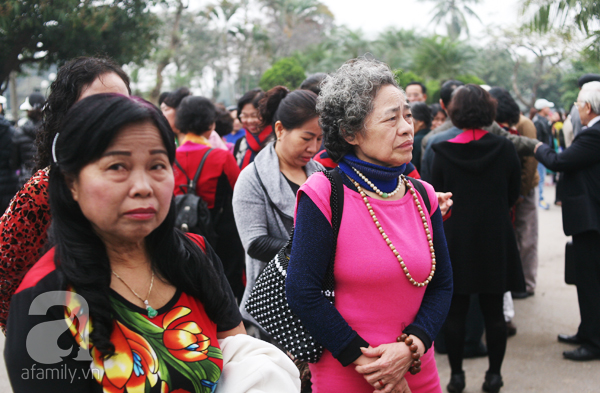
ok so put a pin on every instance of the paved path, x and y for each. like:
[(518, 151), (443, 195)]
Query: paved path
[(533, 360)]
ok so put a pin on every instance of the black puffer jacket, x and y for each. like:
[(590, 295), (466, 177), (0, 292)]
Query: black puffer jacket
[(8, 178), (24, 149)]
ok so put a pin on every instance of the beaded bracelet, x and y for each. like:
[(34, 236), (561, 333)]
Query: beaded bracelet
[(415, 367)]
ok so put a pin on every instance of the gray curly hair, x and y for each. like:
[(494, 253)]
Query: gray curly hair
[(346, 99)]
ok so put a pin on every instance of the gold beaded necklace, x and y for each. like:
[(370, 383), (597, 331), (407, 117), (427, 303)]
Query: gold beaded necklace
[(389, 242)]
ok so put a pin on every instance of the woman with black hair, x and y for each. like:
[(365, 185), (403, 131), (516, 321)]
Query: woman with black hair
[(169, 105), (196, 118), (258, 133), (483, 173), (24, 225), (438, 116), (146, 300), (265, 193), (422, 123)]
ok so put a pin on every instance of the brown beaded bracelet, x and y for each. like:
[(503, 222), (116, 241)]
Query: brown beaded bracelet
[(415, 367)]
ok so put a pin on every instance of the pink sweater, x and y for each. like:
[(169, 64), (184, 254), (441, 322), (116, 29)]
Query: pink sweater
[(372, 292)]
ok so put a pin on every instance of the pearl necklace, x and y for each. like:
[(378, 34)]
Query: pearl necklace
[(375, 189), (389, 242), (151, 312)]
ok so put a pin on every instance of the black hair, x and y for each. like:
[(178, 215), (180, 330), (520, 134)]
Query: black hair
[(420, 111), (447, 89), (250, 97), (162, 97), (313, 82), (291, 109), (64, 92), (81, 259), (472, 107), (435, 109), (423, 88), (224, 121), (195, 114), (508, 110), (174, 98), (36, 100), (583, 79)]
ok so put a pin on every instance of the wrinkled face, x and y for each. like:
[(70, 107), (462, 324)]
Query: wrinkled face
[(297, 146), (414, 93), (387, 139), (585, 111), (250, 119), (170, 114), (438, 120), (126, 194), (106, 83)]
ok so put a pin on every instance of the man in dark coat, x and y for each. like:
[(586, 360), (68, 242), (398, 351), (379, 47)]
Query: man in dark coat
[(24, 148), (581, 217), (544, 134), (8, 179)]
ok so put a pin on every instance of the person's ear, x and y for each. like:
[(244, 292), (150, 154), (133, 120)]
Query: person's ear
[(351, 139), (73, 185), (443, 106), (279, 130)]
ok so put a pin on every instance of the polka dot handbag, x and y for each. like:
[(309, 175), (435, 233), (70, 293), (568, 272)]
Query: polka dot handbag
[(268, 303)]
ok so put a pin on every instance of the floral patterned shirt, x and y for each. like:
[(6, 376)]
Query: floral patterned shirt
[(176, 351)]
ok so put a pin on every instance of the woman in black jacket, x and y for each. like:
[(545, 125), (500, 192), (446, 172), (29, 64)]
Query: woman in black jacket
[(483, 173)]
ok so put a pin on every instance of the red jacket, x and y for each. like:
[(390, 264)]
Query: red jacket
[(218, 177)]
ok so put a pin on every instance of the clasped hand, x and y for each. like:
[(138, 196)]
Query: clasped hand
[(387, 363)]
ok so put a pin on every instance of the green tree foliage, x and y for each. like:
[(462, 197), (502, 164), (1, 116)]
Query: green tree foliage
[(453, 13), (403, 78), (396, 47), (566, 15), (440, 57), (466, 79), (286, 72), (48, 32)]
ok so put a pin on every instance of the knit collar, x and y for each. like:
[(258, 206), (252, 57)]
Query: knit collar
[(384, 178), (199, 139)]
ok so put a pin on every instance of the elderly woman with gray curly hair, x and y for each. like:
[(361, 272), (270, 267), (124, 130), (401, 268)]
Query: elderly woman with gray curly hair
[(393, 279)]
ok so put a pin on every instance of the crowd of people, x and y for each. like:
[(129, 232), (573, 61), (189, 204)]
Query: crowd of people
[(144, 230)]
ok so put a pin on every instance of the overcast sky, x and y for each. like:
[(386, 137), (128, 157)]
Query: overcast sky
[(415, 14), (373, 16)]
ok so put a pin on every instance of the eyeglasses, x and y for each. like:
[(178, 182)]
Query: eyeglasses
[(579, 104), (249, 116)]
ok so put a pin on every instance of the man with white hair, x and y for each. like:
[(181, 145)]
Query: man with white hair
[(581, 217)]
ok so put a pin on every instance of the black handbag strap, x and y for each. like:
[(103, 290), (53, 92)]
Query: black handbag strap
[(191, 185), (336, 201), (421, 190)]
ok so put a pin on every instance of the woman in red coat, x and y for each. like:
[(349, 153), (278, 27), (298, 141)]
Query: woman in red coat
[(195, 119)]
